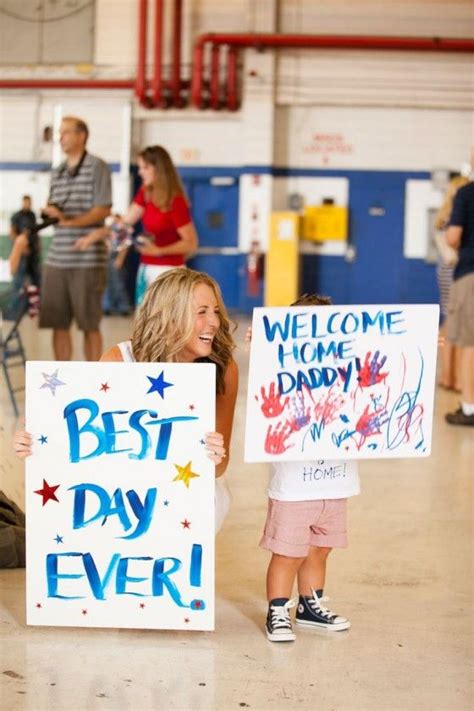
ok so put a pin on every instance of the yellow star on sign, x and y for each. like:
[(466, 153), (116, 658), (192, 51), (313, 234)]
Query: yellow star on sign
[(185, 474)]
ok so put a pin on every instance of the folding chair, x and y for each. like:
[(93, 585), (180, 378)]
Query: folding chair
[(12, 352)]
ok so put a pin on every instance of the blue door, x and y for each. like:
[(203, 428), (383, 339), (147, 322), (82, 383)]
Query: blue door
[(216, 213), (215, 210), (376, 233)]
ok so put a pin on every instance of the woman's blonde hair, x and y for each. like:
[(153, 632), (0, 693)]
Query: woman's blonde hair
[(167, 184), (164, 322), (444, 212)]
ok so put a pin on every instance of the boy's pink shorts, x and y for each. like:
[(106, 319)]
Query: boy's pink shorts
[(293, 526)]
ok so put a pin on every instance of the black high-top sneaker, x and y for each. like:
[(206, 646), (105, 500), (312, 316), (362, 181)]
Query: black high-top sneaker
[(310, 613), (278, 626)]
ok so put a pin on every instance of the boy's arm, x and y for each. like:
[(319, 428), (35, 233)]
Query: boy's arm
[(120, 258)]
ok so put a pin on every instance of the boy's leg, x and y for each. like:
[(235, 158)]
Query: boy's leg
[(311, 578), (328, 531), (312, 574), (281, 575), (287, 535)]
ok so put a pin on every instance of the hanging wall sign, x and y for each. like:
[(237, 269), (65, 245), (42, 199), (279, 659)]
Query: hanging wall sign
[(341, 382), (120, 495)]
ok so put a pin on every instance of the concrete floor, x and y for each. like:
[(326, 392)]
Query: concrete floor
[(405, 582)]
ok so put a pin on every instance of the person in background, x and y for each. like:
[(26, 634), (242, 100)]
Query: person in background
[(75, 270), (24, 220), (183, 320), (161, 205), (447, 259), (24, 263), (460, 325)]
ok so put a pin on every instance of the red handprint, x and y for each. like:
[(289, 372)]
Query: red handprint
[(271, 405), (370, 373), (327, 407), (275, 441)]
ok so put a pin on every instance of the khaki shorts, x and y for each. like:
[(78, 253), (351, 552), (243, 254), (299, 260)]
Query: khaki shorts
[(292, 527), (68, 294), (460, 323)]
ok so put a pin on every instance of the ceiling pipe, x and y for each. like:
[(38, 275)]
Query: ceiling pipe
[(232, 98), (140, 82), (274, 41), (214, 98), (67, 83), (157, 81), (176, 65)]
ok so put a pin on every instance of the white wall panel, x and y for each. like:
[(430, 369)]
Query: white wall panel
[(116, 29), (428, 18), (204, 139), (18, 117), (23, 117), (372, 138), (356, 78)]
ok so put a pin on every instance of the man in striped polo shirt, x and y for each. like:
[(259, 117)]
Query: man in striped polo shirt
[(75, 270)]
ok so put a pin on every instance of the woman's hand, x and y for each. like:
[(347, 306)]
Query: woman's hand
[(215, 449), (148, 249), (22, 444)]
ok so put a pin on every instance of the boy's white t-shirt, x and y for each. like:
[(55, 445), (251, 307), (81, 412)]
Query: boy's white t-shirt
[(319, 479)]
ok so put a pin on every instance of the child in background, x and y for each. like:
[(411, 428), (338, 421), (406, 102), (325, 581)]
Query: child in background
[(306, 519), (115, 300)]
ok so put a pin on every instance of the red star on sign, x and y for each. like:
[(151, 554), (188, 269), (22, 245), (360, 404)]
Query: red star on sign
[(186, 619), (84, 612), (186, 523), (142, 605), (191, 407), (38, 605), (47, 492), (105, 387)]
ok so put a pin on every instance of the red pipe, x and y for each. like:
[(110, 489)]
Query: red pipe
[(214, 83), (67, 83), (140, 84), (176, 66), (157, 82), (197, 74), (232, 101), (427, 44), (260, 41)]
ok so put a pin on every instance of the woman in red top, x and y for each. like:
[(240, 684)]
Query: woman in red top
[(170, 236)]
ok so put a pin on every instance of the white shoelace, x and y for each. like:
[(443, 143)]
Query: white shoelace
[(315, 603), (280, 615)]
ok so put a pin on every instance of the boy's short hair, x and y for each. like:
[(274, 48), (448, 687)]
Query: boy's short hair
[(312, 300)]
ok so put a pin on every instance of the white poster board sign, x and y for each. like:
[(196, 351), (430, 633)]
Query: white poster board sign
[(341, 382), (120, 495)]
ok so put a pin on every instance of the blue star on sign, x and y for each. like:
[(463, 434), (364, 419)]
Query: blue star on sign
[(43, 439), (158, 384), (59, 539)]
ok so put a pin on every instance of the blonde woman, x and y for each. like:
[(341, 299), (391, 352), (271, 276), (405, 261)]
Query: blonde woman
[(183, 320), (447, 258), (161, 205)]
